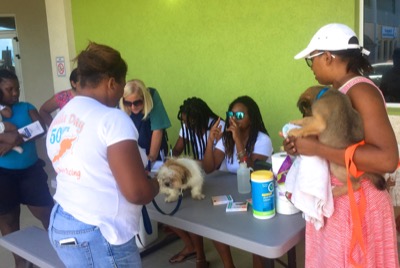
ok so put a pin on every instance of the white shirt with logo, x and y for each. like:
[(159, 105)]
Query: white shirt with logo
[(77, 143)]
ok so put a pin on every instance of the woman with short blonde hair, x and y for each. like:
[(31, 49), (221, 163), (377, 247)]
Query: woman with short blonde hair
[(146, 109), (136, 86)]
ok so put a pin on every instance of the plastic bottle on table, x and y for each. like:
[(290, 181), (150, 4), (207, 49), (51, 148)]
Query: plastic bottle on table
[(243, 178)]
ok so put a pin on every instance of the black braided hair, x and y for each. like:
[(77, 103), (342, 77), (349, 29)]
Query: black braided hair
[(198, 115), (257, 124)]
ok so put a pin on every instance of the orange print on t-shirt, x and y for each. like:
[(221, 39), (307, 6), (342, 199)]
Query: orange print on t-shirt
[(65, 145)]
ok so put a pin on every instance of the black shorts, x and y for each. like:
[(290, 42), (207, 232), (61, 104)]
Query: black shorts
[(24, 186)]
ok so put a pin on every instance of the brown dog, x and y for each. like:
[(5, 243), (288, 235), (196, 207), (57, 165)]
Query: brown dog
[(331, 117), (178, 174)]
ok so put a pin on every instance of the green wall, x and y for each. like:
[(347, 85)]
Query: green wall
[(214, 49)]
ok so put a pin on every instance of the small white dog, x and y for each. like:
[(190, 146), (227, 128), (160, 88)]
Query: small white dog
[(178, 174)]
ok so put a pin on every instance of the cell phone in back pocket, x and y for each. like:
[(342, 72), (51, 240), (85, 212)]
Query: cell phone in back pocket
[(68, 241)]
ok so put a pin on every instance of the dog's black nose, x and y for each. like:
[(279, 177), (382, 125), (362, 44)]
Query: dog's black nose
[(167, 184)]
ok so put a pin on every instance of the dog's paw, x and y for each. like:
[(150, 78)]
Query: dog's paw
[(296, 132), (287, 128), (198, 196)]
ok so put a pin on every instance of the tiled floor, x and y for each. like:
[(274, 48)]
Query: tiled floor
[(159, 258)]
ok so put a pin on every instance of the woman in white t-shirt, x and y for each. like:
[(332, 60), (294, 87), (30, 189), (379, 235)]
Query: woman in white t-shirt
[(245, 139), (101, 181), (196, 120)]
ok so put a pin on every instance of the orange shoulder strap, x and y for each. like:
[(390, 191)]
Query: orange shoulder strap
[(357, 210)]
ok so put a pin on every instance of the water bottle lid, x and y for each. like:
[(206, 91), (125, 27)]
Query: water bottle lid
[(242, 165)]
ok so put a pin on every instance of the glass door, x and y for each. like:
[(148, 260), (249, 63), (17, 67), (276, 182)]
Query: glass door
[(381, 37), (10, 58)]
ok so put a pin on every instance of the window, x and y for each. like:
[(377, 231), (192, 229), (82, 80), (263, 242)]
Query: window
[(10, 56), (381, 34), (7, 24)]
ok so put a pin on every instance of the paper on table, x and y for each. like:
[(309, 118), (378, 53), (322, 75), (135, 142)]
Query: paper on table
[(236, 206)]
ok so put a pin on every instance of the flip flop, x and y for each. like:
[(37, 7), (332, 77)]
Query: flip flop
[(181, 257)]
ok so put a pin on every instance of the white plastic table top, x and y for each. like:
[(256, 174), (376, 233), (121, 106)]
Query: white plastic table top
[(270, 238)]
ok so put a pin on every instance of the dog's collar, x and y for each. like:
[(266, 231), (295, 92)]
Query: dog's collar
[(321, 92)]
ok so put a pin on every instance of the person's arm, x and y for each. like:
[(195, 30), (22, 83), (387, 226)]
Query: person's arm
[(263, 149), (241, 148), (159, 122), (178, 148), (9, 126), (380, 153), (213, 157), (155, 145), (128, 170), (47, 109), (5, 111), (36, 117), (256, 157), (8, 140)]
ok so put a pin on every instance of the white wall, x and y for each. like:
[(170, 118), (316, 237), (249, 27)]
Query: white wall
[(61, 39)]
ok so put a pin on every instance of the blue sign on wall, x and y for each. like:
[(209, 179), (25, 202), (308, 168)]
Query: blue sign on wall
[(388, 32)]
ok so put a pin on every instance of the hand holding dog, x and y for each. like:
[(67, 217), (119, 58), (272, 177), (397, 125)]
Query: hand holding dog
[(306, 145), (288, 144), (300, 145)]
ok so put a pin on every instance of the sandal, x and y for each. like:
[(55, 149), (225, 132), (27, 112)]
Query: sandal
[(181, 257), (202, 264)]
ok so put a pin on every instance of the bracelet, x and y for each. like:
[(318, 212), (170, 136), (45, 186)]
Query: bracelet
[(241, 154)]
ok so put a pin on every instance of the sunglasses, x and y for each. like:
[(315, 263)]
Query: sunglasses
[(237, 115), (134, 103), (310, 59)]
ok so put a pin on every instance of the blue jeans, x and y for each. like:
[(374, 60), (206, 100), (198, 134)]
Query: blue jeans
[(87, 246)]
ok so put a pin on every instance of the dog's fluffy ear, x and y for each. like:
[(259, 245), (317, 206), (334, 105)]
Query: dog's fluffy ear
[(186, 174), (307, 98), (179, 168), (304, 105)]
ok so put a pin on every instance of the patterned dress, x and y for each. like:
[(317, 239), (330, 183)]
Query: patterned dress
[(63, 97), (330, 246)]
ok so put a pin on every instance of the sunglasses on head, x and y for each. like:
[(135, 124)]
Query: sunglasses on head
[(237, 115), (134, 103)]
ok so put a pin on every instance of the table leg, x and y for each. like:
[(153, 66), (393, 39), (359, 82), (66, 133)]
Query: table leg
[(270, 263), (292, 257), (261, 262)]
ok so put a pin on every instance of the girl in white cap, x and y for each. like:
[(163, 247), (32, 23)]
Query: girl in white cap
[(361, 232)]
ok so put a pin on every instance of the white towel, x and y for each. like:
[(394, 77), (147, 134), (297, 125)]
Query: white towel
[(309, 182)]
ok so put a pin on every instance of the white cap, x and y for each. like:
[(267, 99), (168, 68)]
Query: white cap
[(331, 37)]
